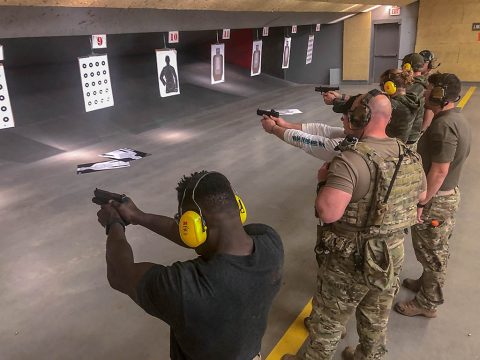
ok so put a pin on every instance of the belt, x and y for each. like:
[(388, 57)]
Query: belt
[(445, 192)]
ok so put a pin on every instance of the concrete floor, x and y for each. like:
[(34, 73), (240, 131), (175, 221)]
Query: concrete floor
[(55, 302)]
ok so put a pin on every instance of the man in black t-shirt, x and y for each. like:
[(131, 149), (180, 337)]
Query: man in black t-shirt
[(217, 304)]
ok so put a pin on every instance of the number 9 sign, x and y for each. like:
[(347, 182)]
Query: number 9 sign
[(99, 41)]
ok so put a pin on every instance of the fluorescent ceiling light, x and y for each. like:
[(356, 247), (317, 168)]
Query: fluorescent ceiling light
[(350, 7), (371, 8), (340, 19)]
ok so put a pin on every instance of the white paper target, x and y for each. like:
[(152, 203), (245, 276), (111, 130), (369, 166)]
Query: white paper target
[(256, 67), (286, 52), (1, 53), (167, 72), (217, 54), (96, 85), (311, 39), (6, 115)]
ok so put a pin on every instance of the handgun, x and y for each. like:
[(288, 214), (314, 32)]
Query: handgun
[(271, 112), (102, 197), (326, 88)]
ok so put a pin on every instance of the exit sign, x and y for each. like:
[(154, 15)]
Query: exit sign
[(476, 27), (395, 11)]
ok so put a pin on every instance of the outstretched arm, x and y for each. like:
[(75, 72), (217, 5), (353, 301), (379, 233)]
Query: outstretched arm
[(123, 273), (162, 225)]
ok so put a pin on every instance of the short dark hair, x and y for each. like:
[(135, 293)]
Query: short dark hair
[(214, 191), (450, 82)]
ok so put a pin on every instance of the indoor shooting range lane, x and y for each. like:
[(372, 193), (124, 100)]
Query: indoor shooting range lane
[(56, 302)]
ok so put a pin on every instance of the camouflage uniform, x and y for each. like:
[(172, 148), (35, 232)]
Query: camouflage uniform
[(432, 248), (360, 257)]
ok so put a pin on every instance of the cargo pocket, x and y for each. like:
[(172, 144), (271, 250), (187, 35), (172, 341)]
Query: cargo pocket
[(378, 269)]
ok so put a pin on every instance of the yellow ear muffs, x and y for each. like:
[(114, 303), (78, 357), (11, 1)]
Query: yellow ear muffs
[(389, 87), (242, 208), (193, 230), (407, 67)]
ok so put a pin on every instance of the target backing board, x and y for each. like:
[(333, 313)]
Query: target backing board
[(96, 85), (256, 64), (167, 72), (6, 115)]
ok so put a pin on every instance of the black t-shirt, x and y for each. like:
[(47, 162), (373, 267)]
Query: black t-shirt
[(217, 309)]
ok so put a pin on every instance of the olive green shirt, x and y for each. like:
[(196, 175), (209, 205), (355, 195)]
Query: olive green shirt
[(447, 140), (404, 112)]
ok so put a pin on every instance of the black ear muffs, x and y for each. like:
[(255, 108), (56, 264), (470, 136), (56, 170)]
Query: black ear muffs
[(359, 117)]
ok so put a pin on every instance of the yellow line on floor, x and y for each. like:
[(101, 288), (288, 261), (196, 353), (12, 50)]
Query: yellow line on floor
[(293, 338), (466, 97)]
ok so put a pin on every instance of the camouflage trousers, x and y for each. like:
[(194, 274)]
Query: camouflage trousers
[(432, 249), (341, 291)]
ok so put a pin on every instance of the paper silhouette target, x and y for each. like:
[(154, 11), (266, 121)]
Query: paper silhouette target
[(167, 72), (96, 85), (6, 115), (218, 63), (286, 52), (256, 67), (308, 58)]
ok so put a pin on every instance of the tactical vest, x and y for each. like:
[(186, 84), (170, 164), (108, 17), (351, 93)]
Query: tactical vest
[(371, 215)]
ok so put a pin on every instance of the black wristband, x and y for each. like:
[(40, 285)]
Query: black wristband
[(421, 206), (115, 221)]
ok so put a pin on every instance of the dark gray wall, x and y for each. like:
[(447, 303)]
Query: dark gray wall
[(327, 53)]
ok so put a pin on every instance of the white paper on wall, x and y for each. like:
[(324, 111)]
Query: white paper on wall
[(317, 27), (256, 65), (96, 85), (294, 29), (217, 63), (99, 41), (286, 52), (6, 114), (265, 31), (167, 72), (309, 57)]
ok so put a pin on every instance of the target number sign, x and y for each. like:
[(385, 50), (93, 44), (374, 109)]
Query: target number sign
[(173, 37), (99, 41)]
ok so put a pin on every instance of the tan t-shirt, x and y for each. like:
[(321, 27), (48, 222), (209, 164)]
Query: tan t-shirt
[(349, 172), (447, 140)]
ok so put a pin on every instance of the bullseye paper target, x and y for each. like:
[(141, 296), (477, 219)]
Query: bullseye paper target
[(6, 115), (96, 85)]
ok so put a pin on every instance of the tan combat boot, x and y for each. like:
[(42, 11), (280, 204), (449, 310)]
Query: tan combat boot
[(412, 308), (348, 353)]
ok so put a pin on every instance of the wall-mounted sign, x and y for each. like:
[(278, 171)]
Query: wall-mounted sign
[(226, 34), (395, 11), (476, 27), (294, 29), (317, 27), (1, 52), (99, 41), (265, 31), (173, 37)]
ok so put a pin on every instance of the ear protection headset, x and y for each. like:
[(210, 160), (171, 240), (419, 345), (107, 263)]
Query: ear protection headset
[(192, 226), (438, 95), (359, 117), (407, 67), (389, 86)]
